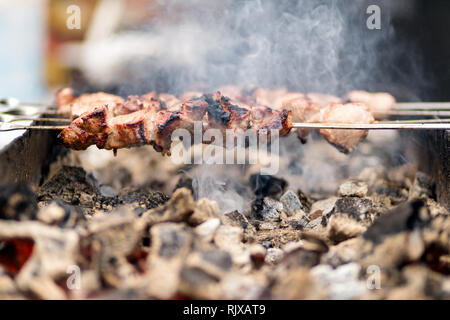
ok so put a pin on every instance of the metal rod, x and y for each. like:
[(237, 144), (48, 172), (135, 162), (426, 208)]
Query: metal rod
[(59, 120), (14, 103), (423, 106), (417, 121), (19, 112), (11, 127), (374, 126), (413, 113), (337, 126)]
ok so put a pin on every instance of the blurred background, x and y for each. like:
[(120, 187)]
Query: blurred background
[(135, 46)]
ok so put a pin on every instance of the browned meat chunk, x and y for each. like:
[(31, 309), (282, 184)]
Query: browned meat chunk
[(379, 103), (169, 101), (70, 106), (345, 140), (323, 99), (189, 95), (303, 110)]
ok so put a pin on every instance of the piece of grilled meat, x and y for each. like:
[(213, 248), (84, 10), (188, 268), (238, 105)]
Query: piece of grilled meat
[(379, 102), (72, 107), (345, 140)]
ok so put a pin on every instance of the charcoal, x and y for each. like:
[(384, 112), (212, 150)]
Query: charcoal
[(267, 209), (196, 283), (218, 258), (322, 207), (419, 284), (342, 282), (40, 257), (17, 202), (291, 203), (342, 253), (72, 185), (205, 209), (273, 255), (230, 239), (266, 225), (266, 185), (179, 208), (354, 207), (235, 218), (195, 276), (8, 289), (111, 239), (353, 188), (267, 244), (244, 287), (62, 214), (314, 241), (141, 197), (315, 223), (299, 221), (396, 192), (207, 229), (184, 182), (341, 228), (403, 218), (202, 272), (296, 284), (305, 256), (170, 245), (107, 191), (228, 236), (305, 200), (423, 187)]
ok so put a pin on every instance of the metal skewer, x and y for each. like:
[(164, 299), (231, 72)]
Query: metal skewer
[(422, 106), (411, 113), (417, 121), (342, 126), (11, 127), (374, 126), (59, 120)]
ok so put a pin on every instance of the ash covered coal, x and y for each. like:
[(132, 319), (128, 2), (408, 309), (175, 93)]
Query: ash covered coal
[(141, 243), (17, 202)]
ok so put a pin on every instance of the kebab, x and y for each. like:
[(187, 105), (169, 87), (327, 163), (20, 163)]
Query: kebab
[(314, 108), (106, 130), (321, 112), (101, 127)]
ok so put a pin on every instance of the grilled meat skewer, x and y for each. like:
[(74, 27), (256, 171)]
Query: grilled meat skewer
[(215, 111), (107, 131)]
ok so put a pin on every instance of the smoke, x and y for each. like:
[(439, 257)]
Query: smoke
[(303, 45), (220, 184)]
